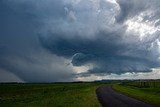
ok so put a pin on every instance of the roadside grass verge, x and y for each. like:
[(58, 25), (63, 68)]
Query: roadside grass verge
[(148, 95), (49, 95)]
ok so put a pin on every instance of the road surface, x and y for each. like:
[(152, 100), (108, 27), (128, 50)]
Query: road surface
[(110, 98)]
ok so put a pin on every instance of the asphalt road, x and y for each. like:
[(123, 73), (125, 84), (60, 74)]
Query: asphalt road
[(110, 98)]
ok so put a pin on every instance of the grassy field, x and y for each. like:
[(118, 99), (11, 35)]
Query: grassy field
[(49, 95), (147, 91)]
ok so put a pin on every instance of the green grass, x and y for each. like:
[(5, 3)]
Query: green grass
[(148, 95), (49, 95)]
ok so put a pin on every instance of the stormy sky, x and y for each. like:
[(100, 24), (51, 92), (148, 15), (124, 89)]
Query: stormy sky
[(79, 40)]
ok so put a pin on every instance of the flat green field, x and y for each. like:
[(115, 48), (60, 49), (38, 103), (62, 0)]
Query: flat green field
[(49, 95), (146, 93)]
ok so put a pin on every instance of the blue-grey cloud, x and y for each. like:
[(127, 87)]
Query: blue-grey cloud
[(39, 38), (113, 53), (21, 53)]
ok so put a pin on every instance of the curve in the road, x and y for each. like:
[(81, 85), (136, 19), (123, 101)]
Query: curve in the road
[(110, 98)]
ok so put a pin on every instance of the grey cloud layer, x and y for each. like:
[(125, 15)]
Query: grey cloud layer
[(38, 37), (21, 53), (104, 43)]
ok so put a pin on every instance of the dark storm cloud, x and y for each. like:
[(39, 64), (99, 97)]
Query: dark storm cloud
[(130, 8), (38, 38), (21, 53), (107, 49)]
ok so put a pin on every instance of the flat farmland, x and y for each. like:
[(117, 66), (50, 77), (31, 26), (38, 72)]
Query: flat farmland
[(47, 95)]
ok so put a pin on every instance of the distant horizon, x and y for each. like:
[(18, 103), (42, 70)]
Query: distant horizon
[(103, 80)]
